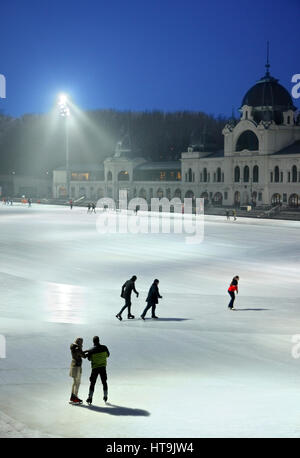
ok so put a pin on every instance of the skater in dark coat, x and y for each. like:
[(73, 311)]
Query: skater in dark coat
[(231, 291), (98, 355), (75, 369), (127, 289), (89, 207), (71, 204), (152, 299)]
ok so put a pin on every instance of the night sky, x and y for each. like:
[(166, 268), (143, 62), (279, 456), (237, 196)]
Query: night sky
[(144, 54)]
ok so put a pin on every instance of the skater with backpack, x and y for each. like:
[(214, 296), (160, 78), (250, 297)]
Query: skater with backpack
[(127, 289), (152, 299), (98, 355), (231, 291), (75, 369)]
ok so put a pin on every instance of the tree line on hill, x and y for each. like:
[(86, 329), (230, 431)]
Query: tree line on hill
[(35, 144)]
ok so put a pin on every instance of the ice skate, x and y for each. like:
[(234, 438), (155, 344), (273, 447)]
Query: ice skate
[(155, 317), (105, 396), (89, 400), (75, 400), (143, 318), (119, 317), (130, 317)]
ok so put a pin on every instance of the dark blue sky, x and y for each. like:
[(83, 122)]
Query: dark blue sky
[(144, 54)]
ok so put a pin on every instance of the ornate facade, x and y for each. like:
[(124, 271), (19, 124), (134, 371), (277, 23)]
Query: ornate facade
[(260, 164)]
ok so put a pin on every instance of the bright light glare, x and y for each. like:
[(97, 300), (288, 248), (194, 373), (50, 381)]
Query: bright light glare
[(64, 110), (62, 100)]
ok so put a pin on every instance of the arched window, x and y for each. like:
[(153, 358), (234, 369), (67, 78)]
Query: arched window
[(247, 140), (177, 193), (255, 174), (276, 174), (294, 174), (218, 199), (123, 176), (237, 174), (276, 199), (190, 175), (219, 175), (109, 176), (246, 174), (294, 200), (205, 175), (142, 193), (189, 194)]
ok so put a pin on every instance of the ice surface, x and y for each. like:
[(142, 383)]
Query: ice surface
[(199, 371)]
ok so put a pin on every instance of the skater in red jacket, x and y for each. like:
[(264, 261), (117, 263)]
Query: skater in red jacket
[(231, 291)]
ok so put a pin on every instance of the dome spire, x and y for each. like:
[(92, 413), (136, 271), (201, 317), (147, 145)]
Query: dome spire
[(267, 64)]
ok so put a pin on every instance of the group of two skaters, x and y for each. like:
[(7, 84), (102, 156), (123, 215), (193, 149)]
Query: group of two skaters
[(98, 355), (152, 298)]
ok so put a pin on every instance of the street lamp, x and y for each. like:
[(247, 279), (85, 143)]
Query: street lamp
[(64, 112)]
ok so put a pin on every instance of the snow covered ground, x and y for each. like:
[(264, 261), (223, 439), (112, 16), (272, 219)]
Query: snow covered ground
[(199, 371)]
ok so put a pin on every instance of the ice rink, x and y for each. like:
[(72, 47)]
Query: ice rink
[(199, 371)]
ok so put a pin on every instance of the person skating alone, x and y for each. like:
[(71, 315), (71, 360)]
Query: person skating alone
[(93, 207), (127, 289), (98, 355), (227, 215), (234, 214), (231, 291), (76, 369), (152, 299), (71, 204)]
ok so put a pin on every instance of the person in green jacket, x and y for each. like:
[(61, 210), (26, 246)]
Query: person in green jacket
[(98, 355)]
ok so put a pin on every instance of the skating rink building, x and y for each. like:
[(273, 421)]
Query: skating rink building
[(260, 163)]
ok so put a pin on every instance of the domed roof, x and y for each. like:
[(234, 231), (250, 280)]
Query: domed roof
[(267, 92)]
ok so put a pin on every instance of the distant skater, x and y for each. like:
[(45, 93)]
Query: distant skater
[(89, 207), (71, 204), (231, 291), (93, 207), (152, 299), (127, 289), (234, 214), (29, 202), (98, 355), (75, 369), (227, 215)]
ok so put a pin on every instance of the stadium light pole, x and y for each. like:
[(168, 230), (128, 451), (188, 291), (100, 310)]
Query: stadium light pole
[(64, 112)]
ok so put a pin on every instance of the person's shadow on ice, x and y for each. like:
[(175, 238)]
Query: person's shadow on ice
[(113, 409)]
